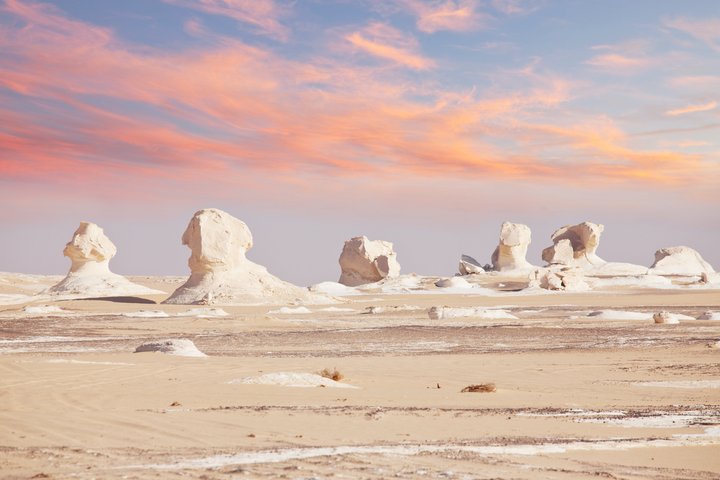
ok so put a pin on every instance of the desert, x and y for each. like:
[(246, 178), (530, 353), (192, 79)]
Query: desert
[(360, 239), (481, 375)]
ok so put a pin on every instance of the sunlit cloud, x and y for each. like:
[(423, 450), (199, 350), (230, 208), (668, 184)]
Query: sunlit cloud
[(455, 15), (224, 111), (385, 42), (711, 105), (515, 7), (707, 30), (626, 57), (263, 15)]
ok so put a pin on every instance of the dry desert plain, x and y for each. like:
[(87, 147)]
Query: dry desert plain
[(613, 395)]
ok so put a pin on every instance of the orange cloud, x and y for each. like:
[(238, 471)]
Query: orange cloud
[(231, 113), (264, 15), (383, 41), (705, 107), (453, 15)]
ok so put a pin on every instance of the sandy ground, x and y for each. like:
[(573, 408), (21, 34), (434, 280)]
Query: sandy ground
[(576, 396)]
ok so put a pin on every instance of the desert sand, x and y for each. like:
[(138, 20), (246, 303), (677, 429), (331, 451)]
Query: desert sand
[(587, 385)]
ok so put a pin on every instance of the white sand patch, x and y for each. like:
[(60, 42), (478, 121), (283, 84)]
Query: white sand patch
[(576, 412), (438, 313), (147, 314), (334, 288), (292, 379), (711, 436), (14, 299), (709, 316), (204, 313), (619, 315), (84, 362), (641, 281), (337, 309), (654, 421), (374, 310), (291, 311), (176, 346), (46, 310), (682, 384)]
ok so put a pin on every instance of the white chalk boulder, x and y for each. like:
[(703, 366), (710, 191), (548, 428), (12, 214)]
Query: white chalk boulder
[(512, 248), (90, 251), (365, 261), (175, 346), (575, 245), (680, 261), (469, 266), (219, 271)]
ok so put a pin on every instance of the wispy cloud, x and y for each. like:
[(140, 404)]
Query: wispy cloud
[(383, 41), (264, 15), (706, 30), (626, 57), (455, 15), (704, 107), (260, 111), (515, 7)]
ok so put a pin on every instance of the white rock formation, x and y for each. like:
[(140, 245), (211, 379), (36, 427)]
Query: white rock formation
[(365, 261), (90, 251), (665, 317), (469, 266), (453, 282), (569, 279), (680, 261), (575, 245), (510, 252), (219, 271), (175, 346)]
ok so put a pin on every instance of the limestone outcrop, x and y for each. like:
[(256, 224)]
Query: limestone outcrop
[(569, 279), (365, 261), (90, 251), (469, 266), (510, 252), (680, 261), (220, 273), (575, 245)]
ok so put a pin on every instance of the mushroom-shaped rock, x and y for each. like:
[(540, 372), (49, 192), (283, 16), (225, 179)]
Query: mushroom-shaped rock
[(219, 271), (680, 261), (90, 251), (510, 252), (469, 266), (575, 245), (367, 261)]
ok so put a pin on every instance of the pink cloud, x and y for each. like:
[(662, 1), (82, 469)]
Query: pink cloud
[(706, 30), (705, 107), (455, 15), (227, 112), (385, 42), (264, 15)]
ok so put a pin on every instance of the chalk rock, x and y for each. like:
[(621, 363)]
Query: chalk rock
[(469, 266), (680, 261), (510, 252), (569, 279), (575, 245), (174, 346), (90, 251), (367, 261), (665, 317), (709, 315), (453, 282), (219, 271)]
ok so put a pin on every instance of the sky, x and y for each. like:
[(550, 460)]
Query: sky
[(424, 123)]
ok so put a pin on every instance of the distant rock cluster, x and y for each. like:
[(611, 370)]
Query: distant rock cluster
[(220, 272)]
